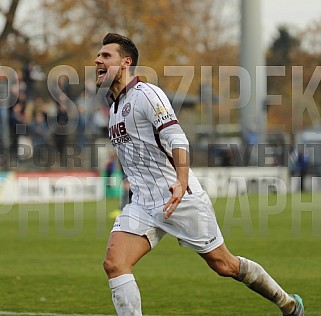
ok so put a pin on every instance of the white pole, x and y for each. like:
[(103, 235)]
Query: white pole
[(252, 109)]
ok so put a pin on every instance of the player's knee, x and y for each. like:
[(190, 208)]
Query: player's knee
[(115, 267), (110, 267)]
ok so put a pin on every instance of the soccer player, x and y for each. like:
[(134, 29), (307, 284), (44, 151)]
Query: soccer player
[(167, 197)]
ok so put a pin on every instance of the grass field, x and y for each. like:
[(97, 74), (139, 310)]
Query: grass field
[(51, 259)]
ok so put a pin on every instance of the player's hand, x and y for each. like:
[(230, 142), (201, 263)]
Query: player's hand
[(177, 191)]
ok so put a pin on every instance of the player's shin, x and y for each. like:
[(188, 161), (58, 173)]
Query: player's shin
[(125, 295), (258, 280)]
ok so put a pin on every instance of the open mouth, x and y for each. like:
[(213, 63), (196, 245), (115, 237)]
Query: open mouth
[(101, 72)]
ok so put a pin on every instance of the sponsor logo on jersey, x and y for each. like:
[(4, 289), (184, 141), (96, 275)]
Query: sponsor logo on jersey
[(163, 118), (126, 109), (160, 110), (118, 134)]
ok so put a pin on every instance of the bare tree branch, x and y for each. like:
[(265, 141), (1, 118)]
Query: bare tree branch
[(9, 17)]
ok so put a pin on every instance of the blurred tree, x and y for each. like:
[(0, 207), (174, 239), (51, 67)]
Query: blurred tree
[(310, 38), (8, 28), (282, 47), (302, 51), (280, 54), (169, 32), (308, 58)]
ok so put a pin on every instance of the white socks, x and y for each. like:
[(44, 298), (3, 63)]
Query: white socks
[(258, 280), (127, 301), (125, 295)]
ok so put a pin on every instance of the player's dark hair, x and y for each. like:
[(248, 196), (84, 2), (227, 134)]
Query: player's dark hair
[(127, 47)]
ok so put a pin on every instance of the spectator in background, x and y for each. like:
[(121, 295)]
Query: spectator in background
[(101, 115), (228, 157), (251, 140), (16, 118), (111, 166), (28, 79), (85, 107), (61, 86), (18, 85), (2, 140), (34, 106), (61, 130), (101, 121), (64, 86), (302, 167), (62, 108), (127, 194), (39, 129), (3, 118), (39, 135), (18, 91)]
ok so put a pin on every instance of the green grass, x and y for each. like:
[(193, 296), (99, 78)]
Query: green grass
[(47, 265)]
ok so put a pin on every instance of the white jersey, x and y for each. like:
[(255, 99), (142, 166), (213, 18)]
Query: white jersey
[(141, 122)]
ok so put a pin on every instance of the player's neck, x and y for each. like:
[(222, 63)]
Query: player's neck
[(120, 85)]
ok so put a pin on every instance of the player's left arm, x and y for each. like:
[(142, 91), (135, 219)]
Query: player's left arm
[(159, 112), (178, 188), (175, 137)]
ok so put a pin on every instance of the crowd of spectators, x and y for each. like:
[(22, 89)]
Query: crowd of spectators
[(38, 129)]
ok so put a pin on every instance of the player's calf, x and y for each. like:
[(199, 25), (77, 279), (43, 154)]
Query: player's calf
[(222, 262)]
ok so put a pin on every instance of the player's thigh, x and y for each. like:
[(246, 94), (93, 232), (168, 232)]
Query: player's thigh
[(123, 251)]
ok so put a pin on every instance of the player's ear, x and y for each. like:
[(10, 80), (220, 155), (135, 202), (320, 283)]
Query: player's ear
[(127, 61)]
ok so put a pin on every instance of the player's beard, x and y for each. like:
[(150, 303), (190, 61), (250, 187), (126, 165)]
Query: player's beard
[(109, 79), (103, 82)]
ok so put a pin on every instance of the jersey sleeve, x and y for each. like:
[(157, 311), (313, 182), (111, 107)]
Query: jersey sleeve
[(161, 114), (158, 109)]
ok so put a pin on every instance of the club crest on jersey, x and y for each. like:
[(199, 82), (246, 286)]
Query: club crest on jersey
[(126, 109), (160, 110)]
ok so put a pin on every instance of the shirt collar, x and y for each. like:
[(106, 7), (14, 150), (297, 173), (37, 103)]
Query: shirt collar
[(130, 85)]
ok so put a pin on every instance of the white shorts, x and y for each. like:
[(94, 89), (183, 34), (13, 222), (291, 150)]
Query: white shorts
[(193, 223)]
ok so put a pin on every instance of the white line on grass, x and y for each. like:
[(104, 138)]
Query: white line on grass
[(7, 313)]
